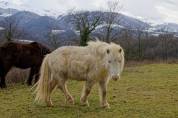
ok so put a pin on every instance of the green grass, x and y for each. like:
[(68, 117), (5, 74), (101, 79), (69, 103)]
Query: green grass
[(149, 91)]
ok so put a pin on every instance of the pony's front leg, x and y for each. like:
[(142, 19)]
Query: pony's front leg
[(85, 93), (64, 89), (103, 90)]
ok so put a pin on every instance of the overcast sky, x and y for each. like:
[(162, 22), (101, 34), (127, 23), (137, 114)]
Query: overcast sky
[(151, 10)]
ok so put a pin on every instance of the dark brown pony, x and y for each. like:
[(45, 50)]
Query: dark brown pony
[(21, 55)]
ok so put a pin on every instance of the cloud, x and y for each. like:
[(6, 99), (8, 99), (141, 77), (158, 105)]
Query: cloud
[(152, 10), (168, 10), (63, 5), (168, 14), (18, 2)]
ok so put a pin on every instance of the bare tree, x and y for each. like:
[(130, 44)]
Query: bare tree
[(127, 38), (140, 45), (56, 39), (85, 23), (53, 40), (113, 8), (141, 34), (166, 39), (11, 28)]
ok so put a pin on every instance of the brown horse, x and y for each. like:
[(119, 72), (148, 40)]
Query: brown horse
[(21, 55)]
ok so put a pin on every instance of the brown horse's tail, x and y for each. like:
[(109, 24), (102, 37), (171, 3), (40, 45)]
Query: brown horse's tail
[(42, 89)]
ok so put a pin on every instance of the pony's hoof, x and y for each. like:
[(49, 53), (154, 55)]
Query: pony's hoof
[(107, 106), (50, 105), (84, 103), (70, 100)]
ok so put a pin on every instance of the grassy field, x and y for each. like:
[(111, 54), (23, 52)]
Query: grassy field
[(149, 91)]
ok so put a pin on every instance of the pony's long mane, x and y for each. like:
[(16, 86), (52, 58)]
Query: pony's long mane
[(96, 43), (97, 47)]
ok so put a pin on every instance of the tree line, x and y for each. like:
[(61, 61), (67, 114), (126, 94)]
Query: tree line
[(138, 44)]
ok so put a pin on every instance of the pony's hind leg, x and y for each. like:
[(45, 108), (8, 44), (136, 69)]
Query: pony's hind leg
[(52, 85), (63, 87), (85, 93)]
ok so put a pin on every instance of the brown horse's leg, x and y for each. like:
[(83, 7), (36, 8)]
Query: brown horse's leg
[(37, 77), (37, 74), (3, 74), (30, 78), (33, 72), (3, 82)]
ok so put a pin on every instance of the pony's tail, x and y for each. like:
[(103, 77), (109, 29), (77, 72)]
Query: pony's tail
[(42, 89)]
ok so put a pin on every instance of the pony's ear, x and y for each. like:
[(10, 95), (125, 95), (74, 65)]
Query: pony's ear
[(102, 50), (108, 51), (120, 50), (99, 48)]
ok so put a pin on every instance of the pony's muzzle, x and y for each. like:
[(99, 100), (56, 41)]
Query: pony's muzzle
[(116, 77)]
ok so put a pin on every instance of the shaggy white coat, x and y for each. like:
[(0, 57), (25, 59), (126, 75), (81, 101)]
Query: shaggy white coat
[(96, 63)]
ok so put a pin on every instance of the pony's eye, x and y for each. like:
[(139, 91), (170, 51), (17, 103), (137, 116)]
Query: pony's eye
[(109, 61), (120, 50), (108, 51)]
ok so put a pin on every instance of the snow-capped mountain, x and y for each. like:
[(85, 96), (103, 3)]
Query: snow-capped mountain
[(10, 5), (23, 7), (39, 26), (7, 12), (167, 27)]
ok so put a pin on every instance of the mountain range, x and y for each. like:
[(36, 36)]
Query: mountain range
[(37, 27)]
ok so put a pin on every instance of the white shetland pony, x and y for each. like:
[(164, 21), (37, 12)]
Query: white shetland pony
[(96, 63)]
